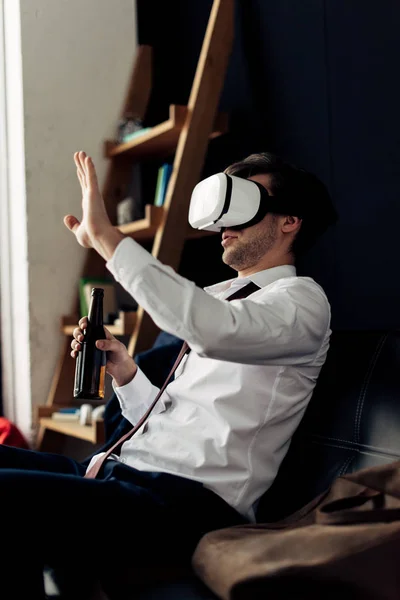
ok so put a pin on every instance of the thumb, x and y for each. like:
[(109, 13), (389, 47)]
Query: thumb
[(108, 345), (71, 222)]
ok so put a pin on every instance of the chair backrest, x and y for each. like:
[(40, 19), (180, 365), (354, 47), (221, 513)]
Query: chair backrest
[(352, 421)]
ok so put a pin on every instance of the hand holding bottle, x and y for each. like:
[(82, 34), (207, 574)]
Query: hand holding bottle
[(120, 365)]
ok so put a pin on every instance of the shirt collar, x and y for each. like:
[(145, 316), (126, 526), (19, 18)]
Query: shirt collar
[(261, 278)]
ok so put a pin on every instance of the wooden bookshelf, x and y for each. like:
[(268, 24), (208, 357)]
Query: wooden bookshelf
[(185, 136)]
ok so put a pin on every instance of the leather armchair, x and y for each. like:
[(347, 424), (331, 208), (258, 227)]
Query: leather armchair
[(352, 422)]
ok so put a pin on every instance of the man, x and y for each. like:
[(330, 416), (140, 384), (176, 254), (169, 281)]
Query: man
[(214, 442)]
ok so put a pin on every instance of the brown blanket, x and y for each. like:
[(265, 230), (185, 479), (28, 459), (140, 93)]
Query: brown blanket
[(343, 545)]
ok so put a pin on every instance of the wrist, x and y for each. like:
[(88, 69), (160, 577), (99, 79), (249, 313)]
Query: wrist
[(124, 374), (106, 241)]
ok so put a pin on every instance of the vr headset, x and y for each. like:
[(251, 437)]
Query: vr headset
[(225, 201)]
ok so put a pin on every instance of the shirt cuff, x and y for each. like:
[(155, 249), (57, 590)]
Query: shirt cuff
[(136, 396), (129, 258)]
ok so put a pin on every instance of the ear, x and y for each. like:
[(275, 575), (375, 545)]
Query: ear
[(291, 224)]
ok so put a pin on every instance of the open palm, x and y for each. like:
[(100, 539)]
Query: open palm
[(94, 214)]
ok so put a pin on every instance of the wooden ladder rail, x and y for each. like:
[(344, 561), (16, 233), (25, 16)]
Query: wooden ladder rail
[(190, 153)]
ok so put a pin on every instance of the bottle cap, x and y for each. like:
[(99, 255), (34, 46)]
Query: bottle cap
[(97, 292)]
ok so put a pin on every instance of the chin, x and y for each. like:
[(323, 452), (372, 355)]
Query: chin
[(230, 263), (225, 258)]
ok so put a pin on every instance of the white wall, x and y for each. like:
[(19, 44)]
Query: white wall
[(76, 60)]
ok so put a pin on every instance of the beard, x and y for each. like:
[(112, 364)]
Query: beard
[(245, 254)]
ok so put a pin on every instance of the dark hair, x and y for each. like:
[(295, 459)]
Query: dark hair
[(292, 182)]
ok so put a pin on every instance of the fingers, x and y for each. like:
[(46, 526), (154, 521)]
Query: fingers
[(78, 334), (110, 343), (75, 345), (79, 158), (75, 348), (86, 171), (80, 165), (90, 172), (81, 180), (71, 223), (83, 323)]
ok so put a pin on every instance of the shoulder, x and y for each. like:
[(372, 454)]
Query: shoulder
[(308, 283), (303, 292), (297, 285)]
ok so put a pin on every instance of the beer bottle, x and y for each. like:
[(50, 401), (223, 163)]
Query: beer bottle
[(90, 368)]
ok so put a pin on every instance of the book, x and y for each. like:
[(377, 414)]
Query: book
[(66, 417), (125, 211), (164, 174), (167, 170), (130, 205), (135, 134), (158, 186)]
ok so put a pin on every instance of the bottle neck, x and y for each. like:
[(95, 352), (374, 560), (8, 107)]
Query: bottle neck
[(95, 315)]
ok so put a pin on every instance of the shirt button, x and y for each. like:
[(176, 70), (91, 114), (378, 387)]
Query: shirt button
[(123, 460)]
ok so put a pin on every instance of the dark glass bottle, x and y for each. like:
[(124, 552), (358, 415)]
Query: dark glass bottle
[(90, 368)]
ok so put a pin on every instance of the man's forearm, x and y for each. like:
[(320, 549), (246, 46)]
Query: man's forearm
[(106, 241)]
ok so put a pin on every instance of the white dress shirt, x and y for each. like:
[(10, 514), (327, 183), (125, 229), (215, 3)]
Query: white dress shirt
[(227, 418)]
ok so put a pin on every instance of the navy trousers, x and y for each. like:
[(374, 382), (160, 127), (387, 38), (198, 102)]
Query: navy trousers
[(125, 519)]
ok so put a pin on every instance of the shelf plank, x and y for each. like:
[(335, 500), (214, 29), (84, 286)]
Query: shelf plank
[(162, 139), (124, 325), (91, 433), (145, 229)]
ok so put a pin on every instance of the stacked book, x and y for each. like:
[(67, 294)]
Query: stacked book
[(164, 174)]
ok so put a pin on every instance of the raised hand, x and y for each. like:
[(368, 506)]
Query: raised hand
[(95, 229)]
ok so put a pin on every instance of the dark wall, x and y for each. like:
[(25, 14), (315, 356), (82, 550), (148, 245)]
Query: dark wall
[(317, 82)]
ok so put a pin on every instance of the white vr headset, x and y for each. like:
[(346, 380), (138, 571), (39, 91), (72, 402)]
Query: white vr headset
[(225, 201)]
